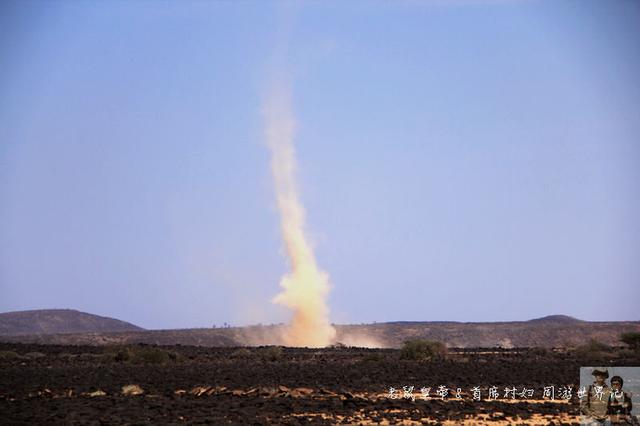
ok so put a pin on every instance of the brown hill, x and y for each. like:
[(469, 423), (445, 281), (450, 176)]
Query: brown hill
[(58, 321), (552, 331)]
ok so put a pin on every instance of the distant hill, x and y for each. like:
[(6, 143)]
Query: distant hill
[(561, 319), (551, 331), (59, 321)]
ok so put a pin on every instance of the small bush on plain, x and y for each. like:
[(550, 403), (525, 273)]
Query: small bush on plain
[(423, 350)]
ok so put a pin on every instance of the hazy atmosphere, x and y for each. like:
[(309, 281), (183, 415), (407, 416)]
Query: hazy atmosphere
[(455, 161)]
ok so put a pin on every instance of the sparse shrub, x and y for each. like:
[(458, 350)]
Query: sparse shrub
[(374, 357), (151, 355), (423, 350), (593, 349), (595, 346), (34, 355), (139, 354), (540, 351), (632, 339), (242, 353), (9, 355), (116, 353), (122, 355), (627, 353), (270, 353), (88, 357)]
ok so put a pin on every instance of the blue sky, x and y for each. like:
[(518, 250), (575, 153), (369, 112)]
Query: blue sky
[(463, 160)]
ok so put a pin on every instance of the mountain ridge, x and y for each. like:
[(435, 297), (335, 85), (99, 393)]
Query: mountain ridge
[(549, 331), (59, 321)]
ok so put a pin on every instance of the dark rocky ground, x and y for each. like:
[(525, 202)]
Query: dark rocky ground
[(49, 384)]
